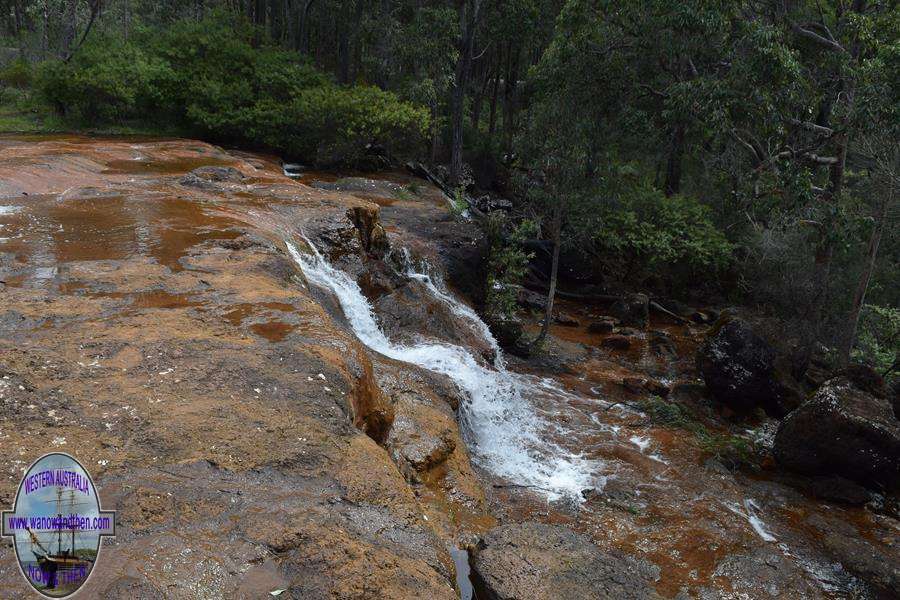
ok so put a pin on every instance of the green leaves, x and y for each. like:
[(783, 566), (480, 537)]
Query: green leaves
[(208, 77)]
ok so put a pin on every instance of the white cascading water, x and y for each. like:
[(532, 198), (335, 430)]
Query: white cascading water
[(507, 434)]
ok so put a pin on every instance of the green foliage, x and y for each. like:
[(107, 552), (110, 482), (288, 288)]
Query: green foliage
[(879, 338), (671, 414), (17, 74), (733, 451), (107, 81), (659, 232), (210, 78), (507, 264)]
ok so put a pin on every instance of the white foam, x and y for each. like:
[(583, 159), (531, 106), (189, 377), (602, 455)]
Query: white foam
[(8, 210), (503, 427), (749, 513), (462, 310), (640, 442)]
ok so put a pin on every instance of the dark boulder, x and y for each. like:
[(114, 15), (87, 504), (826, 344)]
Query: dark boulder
[(632, 310), (839, 489), (674, 306), (543, 562), (565, 319), (602, 327), (662, 345), (866, 378), (740, 370), (532, 300), (616, 342), (843, 431)]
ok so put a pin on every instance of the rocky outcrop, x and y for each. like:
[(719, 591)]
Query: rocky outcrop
[(210, 178), (371, 234), (543, 562), (602, 326), (632, 310), (223, 408), (843, 431), (739, 369), (362, 187)]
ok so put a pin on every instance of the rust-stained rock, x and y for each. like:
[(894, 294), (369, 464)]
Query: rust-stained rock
[(371, 233), (547, 562), (161, 334)]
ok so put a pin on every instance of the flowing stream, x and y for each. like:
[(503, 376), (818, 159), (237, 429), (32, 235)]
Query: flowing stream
[(501, 419)]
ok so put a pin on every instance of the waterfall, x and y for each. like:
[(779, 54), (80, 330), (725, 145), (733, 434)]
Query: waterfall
[(500, 418)]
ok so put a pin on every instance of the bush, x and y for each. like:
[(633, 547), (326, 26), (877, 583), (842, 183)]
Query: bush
[(507, 264), (878, 341), (106, 82), (208, 78), (16, 74), (647, 231)]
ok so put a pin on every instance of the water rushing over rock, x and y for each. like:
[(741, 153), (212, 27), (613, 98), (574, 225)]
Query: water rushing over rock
[(500, 419)]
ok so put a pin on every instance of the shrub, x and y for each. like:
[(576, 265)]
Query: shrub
[(506, 265), (17, 74), (648, 231), (208, 77), (878, 341), (106, 81)]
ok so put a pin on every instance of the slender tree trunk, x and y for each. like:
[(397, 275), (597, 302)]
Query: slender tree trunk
[(126, 18), (19, 26), (554, 273), (383, 45), (492, 122), (510, 96), (67, 29), (45, 32), (304, 33), (435, 133), (673, 165), (860, 297), (469, 15), (478, 101), (344, 51)]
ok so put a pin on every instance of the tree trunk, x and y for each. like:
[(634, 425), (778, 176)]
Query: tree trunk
[(126, 18), (469, 15), (673, 165), (67, 29), (554, 273), (860, 297), (383, 46), (435, 133), (510, 95), (492, 123)]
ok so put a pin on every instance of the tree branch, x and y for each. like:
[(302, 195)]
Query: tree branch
[(822, 41), (812, 127)]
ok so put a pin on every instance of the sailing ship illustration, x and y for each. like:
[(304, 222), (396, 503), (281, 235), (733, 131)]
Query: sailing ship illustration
[(66, 566)]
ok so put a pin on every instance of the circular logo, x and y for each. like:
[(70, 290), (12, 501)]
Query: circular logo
[(56, 524)]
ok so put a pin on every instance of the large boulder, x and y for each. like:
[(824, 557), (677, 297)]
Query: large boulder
[(740, 370), (844, 431), (632, 310), (539, 562)]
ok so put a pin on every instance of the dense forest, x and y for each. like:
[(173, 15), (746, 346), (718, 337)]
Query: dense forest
[(744, 151)]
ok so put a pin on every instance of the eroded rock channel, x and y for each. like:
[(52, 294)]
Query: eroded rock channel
[(276, 390)]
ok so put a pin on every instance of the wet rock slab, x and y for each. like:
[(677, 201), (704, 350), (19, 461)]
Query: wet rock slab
[(544, 562), (154, 327)]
